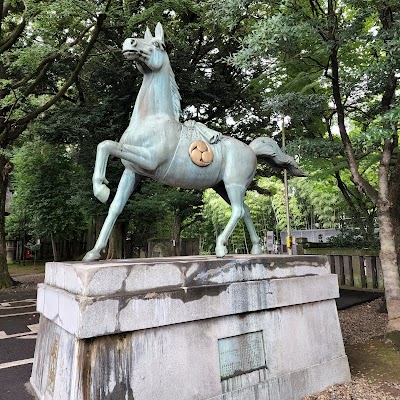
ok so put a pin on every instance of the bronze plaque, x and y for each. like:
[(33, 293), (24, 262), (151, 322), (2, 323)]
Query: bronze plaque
[(241, 354)]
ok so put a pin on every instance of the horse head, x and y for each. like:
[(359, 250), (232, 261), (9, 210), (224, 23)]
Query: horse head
[(148, 53)]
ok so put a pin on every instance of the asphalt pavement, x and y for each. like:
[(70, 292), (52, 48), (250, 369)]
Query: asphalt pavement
[(19, 322)]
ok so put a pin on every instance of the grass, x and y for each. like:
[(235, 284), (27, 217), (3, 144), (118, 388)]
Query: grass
[(29, 268), (376, 360)]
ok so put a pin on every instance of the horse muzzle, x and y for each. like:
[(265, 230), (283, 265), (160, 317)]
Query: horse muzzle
[(130, 54)]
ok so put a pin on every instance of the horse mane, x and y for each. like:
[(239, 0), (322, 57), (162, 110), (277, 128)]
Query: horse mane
[(176, 97)]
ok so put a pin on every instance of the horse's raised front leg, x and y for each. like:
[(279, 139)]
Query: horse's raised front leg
[(236, 195), (100, 190), (127, 184), (139, 156)]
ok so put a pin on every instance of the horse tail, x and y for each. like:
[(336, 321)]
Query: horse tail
[(268, 150)]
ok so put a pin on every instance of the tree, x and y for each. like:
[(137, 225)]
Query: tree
[(329, 190), (104, 98), (43, 47), (351, 48), (47, 196), (163, 212), (267, 209)]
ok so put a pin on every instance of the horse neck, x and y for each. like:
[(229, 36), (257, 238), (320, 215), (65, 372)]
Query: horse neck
[(155, 95)]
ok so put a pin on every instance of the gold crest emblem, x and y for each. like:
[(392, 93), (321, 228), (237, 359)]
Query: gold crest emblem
[(201, 153)]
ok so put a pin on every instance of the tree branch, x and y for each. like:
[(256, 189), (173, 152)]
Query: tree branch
[(100, 20), (316, 8), (12, 37), (360, 182), (46, 63), (3, 12), (43, 64), (354, 108)]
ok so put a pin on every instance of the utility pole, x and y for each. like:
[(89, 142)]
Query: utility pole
[(285, 182)]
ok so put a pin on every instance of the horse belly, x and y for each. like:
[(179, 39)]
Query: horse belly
[(191, 176)]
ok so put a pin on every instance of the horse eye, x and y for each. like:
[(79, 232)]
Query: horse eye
[(156, 44)]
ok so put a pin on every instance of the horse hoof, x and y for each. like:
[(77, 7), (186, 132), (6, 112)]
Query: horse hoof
[(102, 193), (256, 249), (91, 256), (221, 251)]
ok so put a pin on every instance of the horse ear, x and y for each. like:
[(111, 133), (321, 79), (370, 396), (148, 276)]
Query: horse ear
[(147, 34), (159, 32)]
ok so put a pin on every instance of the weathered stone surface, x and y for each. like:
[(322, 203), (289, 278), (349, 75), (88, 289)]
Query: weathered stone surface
[(87, 317), (163, 344), (133, 276)]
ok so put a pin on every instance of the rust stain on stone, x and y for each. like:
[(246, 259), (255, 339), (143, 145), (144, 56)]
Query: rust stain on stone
[(84, 359), (103, 361), (53, 364)]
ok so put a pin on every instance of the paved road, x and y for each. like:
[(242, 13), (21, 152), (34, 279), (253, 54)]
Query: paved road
[(18, 327)]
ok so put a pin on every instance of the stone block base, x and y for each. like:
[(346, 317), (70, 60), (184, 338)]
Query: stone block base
[(197, 328)]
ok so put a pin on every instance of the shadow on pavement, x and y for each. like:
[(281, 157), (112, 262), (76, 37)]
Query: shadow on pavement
[(349, 298)]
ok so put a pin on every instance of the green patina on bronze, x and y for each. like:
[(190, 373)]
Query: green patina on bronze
[(156, 145)]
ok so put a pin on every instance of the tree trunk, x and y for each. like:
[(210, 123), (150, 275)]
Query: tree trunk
[(176, 236), (395, 209), (358, 210), (54, 248), (387, 232), (115, 242), (381, 197), (5, 168), (390, 270)]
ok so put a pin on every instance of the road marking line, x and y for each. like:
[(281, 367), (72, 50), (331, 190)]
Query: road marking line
[(12, 308), (33, 336), (16, 363), (10, 305), (17, 315), (17, 301), (22, 335), (34, 328)]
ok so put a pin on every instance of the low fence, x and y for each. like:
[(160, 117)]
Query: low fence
[(356, 269)]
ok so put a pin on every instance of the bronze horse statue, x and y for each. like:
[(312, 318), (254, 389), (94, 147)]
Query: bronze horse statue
[(187, 155)]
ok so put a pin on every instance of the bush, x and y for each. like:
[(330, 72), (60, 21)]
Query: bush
[(351, 238)]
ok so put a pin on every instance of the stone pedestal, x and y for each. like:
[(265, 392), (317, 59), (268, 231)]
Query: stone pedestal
[(189, 328)]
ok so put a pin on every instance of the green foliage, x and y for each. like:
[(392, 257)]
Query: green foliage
[(47, 197), (316, 149), (320, 201), (41, 49), (328, 195), (155, 211), (353, 238), (242, 61), (381, 128), (268, 213)]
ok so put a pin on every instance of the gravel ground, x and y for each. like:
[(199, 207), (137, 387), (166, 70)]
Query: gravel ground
[(359, 389), (360, 324), (363, 322), (25, 282)]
